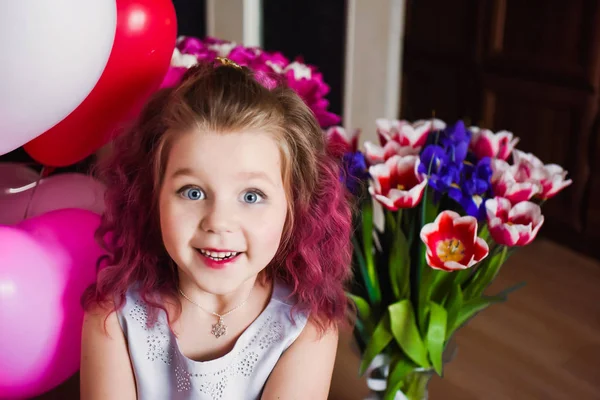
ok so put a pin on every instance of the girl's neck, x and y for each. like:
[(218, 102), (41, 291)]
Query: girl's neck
[(221, 303)]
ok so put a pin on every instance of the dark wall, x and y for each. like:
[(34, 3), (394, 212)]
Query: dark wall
[(313, 29), (191, 17)]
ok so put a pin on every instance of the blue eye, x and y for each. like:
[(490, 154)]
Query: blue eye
[(252, 197), (192, 193)]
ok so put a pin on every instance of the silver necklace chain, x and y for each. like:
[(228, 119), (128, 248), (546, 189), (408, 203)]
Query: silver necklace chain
[(221, 316)]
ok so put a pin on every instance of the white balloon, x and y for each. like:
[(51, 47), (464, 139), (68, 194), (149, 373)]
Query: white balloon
[(52, 53)]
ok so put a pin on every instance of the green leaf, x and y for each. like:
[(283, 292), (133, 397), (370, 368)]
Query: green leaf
[(367, 237), (364, 312), (390, 221), (382, 336), (472, 307), (436, 335), (363, 271), (485, 275), (442, 284), (406, 333), (453, 306), (400, 368), (400, 265), (462, 276), (429, 211), (427, 278), (484, 232)]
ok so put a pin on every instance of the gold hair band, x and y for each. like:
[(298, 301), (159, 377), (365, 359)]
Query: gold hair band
[(228, 62)]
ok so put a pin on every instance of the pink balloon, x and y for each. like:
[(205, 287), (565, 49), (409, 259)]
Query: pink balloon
[(69, 190), (46, 262), (15, 175)]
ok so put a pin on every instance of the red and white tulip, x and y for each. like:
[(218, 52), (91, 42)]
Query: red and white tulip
[(341, 140), (399, 137), (376, 154), (513, 225), (452, 242), (485, 143), (396, 183), (550, 177), (510, 182)]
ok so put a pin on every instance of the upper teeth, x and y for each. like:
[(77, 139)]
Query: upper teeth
[(217, 255)]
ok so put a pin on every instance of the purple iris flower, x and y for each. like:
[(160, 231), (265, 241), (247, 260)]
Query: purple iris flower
[(355, 172), (452, 169)]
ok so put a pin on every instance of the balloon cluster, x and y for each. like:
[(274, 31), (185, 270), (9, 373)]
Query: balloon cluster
[(65, 91), (72, 72)]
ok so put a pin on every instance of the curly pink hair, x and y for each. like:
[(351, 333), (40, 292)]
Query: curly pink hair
[(314, 257)]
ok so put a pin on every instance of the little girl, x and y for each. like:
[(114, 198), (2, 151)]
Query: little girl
[(227, 229)]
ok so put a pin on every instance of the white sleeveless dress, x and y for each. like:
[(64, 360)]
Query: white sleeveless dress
[(163, 372)]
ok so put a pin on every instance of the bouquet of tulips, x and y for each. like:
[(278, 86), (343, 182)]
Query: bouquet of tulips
[(440, 210), (305, 79)]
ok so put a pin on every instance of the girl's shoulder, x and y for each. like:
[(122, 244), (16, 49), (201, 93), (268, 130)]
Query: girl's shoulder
[(287, 305)]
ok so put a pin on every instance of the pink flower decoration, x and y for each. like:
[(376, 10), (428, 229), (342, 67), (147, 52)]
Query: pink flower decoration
[(312, 90), (179, 65), (396, 183), (485, 143), (452, 242), (196, 47), (514, 225), (340, 141), (269, 68)]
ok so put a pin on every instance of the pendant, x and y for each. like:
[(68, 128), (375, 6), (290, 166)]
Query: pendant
[(219, 329)]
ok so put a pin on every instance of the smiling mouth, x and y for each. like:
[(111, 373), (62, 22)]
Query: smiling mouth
[(218, 256)]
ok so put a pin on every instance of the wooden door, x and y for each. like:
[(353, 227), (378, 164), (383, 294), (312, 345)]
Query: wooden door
[(530, 67)]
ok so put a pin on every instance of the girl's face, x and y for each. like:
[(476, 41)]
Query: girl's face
[(222, 207)]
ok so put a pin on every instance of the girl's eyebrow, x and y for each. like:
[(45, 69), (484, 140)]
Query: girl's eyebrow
[(183, 172), (244, 175), (247, 175)]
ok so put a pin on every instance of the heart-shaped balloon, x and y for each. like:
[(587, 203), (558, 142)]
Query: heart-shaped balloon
[(53, 53), (140, 57), (45, 265), (68, 190)]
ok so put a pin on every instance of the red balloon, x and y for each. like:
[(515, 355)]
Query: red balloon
[(139, 59)]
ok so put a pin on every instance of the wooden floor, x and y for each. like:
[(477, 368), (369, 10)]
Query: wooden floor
[(543, 343)]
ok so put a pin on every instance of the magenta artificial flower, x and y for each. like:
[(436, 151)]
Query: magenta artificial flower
[(179, 65), (309, 84), (269, 68), (195, 47)]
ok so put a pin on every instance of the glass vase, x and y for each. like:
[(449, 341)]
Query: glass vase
[(414, 385)]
